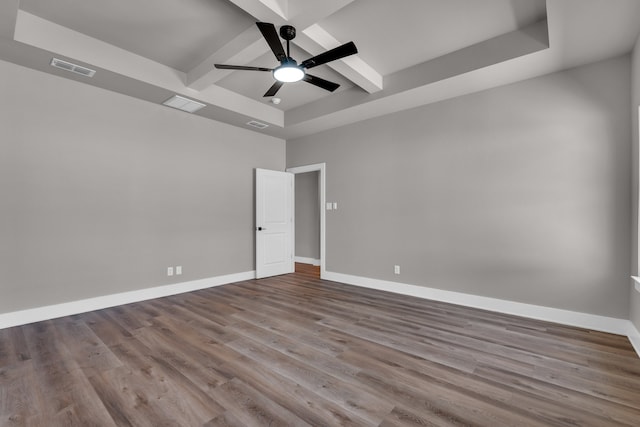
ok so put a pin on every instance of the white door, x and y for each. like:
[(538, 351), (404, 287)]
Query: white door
[(274, 223)]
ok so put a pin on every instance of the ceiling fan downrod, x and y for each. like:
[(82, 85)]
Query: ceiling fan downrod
[(288, 33)]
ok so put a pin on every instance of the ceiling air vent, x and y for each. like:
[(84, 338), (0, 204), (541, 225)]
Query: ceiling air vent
[(74, 68), (258, 125), (184, 104)]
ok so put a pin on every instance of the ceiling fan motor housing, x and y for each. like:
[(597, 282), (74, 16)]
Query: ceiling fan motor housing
[(287, 32)]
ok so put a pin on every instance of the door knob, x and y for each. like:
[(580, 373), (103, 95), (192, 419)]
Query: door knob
[(260, 228)]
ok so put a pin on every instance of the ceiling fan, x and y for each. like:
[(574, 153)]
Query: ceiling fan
[(289, 71)]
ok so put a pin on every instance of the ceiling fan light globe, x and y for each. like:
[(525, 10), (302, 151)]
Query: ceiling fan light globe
[(288, 73)]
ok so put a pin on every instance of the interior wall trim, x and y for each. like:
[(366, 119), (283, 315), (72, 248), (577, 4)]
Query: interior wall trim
[(321, 168), (571, 318), (634, 336), (38, 314), (306, 260), (566, 317)]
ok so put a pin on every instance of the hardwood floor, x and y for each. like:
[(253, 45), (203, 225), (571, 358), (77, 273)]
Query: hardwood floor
[(297, 351)]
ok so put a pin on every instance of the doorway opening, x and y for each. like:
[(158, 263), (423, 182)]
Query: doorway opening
[(309, 200)]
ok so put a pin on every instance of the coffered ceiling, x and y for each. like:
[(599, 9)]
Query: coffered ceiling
[(411, 52)]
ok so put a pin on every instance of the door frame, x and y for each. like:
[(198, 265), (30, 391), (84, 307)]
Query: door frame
[(321, 168)]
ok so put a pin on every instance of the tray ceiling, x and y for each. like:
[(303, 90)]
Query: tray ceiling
[(411, 52)]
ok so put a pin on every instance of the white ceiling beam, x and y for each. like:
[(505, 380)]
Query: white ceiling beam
[(58, 40), (241, 50), (303, 14), (265, 10), (523, 53), (316, 40), (299, 13)]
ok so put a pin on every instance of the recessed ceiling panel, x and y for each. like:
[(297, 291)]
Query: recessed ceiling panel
[(179, 34), (393, 35), (253, 84)]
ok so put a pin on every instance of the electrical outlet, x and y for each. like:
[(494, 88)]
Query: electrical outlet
[(178, 270), (396, 269), (329, 206), (169, 271), (335, 206)]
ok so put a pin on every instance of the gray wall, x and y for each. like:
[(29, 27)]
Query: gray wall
[(634, 299), (519, 192), (307, 215), (100, 193)]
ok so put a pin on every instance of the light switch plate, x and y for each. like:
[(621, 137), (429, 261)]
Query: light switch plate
[(329, 206)]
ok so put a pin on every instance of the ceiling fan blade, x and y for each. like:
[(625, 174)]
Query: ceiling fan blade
[(270, 34), (274, 89), (320, 82), (240, 67), (330, 55)]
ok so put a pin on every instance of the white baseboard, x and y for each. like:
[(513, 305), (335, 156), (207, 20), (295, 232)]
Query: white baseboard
[(38, 314), (566, 317), (634, 336), (305, 260), (572, 318)]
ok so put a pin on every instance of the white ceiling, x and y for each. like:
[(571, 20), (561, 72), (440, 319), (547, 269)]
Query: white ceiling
[(178, 34), (400, 34), (411, 52)]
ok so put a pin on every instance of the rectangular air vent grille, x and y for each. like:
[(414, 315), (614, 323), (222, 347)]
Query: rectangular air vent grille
[(184, 104), (258, 125), (74, 68)]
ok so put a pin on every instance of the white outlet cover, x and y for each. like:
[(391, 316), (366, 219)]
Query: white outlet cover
[(335, 206), (178, 270), (329, 206), (169, 271)]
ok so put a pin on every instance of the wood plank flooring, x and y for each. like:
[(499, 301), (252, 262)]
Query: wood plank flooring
[(297, 351)]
